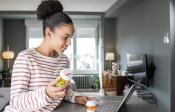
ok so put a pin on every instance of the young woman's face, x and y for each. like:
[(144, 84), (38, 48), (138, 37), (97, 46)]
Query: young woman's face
[(61, 37)]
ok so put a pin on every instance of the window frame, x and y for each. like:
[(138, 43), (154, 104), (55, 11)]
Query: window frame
[(96, 55), (95, 23)]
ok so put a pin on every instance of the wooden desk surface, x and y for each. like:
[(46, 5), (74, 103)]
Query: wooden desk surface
[(133, 105)]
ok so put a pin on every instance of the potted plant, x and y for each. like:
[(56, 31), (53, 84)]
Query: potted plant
[(97, 82), (6, 73)]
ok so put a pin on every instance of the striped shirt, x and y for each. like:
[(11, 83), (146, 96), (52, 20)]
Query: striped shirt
[(32, 72)]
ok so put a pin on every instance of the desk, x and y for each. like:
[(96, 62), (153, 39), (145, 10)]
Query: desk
[(133, 105)]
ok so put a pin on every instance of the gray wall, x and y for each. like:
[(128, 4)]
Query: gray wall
[(14, 34), (1, 41), (172, 34), (109, 38), (141, 30)]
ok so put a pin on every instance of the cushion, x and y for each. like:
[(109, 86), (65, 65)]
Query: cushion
[(2, 102)]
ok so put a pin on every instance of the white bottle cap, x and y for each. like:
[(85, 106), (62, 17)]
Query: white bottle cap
[(91, 103), (66, 74)]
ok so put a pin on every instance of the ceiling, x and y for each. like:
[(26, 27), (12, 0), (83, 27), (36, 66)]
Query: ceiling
[(69, 5)]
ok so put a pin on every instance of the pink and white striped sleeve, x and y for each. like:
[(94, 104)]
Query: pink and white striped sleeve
[(21, 99)]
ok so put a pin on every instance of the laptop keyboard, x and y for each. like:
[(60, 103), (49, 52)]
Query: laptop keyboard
[(108, 106)]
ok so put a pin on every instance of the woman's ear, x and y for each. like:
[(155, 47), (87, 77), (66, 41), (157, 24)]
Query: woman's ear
[(48, 32)]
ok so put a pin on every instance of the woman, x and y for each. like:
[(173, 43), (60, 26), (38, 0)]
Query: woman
[(36, 71)]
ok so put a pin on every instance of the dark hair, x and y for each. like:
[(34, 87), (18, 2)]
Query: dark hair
[(51, 12)]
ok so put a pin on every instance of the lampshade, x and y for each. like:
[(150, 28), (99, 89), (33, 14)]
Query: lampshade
[(7, 54), (110, 56)]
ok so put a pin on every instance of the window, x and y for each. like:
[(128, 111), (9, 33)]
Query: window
[(35, 37), (82, 53), (86, 49)]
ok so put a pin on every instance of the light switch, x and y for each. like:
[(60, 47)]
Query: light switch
[(166, 38)]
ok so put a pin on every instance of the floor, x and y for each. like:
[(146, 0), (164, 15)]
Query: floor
[(89, 92)]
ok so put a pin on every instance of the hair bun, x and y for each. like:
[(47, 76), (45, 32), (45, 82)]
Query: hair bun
[(48, 8)]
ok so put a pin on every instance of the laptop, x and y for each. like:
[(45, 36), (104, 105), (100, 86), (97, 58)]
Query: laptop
[(115, 106)]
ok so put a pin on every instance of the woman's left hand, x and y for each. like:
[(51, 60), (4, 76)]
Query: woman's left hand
[(83, 99)]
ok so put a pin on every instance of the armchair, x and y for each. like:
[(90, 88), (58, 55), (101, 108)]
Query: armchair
[(4, 97)]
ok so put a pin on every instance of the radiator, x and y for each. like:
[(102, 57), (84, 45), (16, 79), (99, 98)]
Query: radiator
[(83, 81)]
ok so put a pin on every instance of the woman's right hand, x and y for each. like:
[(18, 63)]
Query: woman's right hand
[(56, 92)]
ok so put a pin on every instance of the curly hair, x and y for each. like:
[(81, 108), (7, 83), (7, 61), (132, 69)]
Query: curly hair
[(52, 15)]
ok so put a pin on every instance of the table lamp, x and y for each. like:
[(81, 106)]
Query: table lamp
[(7, 55), (110, 57)]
